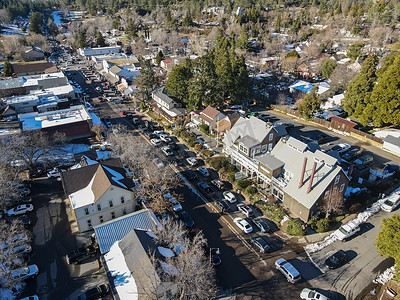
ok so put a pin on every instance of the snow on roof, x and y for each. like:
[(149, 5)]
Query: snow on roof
[(302, 86), (33, 79), (390, 131), (35, 120), (124, 282), (101, 155), (167, 268), (165, 252), (83, 197), (116, 177)]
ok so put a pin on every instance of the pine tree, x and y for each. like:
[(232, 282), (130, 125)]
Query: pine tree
[(179, 80), (147, 81), (310, 104), (159, 57), (100, 42), (8, 69)]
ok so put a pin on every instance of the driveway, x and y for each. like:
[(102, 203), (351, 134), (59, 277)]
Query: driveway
[(364, 262)]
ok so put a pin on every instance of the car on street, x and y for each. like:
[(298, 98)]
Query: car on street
[(158, 162), (80, 254), (95, 293), (185, 217), (288, 270), (54, 173), (336, 260), (312, 295), (205, 189), (245, 209), (107, 122), (182, 153), (167, 151), (191, 175), (19, 210), (222, 205), (243, 224), (165, 138), (364, 160), (155, 142), (25, 273), (203, 171), (218, 183), (261, 224), (229, 196), (260, 244), (176, 162), (391, 202), (192, 161), (341, 148), (352, 153), (176, 206), (346, 231)]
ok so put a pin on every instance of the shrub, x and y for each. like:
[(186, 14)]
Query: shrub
[(243, 183), (191, 141), (218, 162), (205, 129), (273, 211), (208, 153), (355, 207), (312, 223), (296, 228), (322, 225), (167, 127), (198, 146), (231, 177), (251, 190)]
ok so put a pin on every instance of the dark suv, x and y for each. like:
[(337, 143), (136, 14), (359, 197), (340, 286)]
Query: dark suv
[(205, 189), (78, 255), (191, 175), (95, 293)]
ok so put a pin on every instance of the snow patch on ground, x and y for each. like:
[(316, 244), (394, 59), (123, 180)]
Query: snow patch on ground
[(168, 269), (385, 276), (165, 252)]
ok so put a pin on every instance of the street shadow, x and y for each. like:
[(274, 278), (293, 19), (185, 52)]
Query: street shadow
[(276, 244), (351, 254), (331, 294), (307, 269)]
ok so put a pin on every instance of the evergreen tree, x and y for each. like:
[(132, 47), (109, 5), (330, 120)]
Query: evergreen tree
[(8, 69), (159, 57), (310, 104), (278, 24), (179, 80), (187, 20), (36, 22), (82, 39), (147, 81), (354, 51), (100, 42), (327, 67), (243, 41), (242, 90)]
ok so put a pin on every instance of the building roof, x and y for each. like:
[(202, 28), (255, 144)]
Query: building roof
[(228, 122), (251, 130), (292, 152), (114, 230), (32, 67), (163, 96), (392, 140), (343, 121), (115, 70), (302, 86), (209, 114), (270, 161)]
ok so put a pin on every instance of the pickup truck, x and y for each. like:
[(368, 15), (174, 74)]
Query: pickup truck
[(346, 231), (78, 255)]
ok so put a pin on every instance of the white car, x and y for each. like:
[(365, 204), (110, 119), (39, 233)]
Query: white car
[(21, 249), (229, 196), (53, 173), (391, 202), (203, 171), (155, 142), (192, 161), (158, 132), (25, 273), (344, 147), (19, 210), (176, 206), (167, 151), (243, 224), (312, 295), (347, 231), (165, 138)]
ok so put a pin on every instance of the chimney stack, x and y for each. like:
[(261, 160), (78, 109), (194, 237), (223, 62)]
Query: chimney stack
[(312, 177), (302, 173), (350, 171)]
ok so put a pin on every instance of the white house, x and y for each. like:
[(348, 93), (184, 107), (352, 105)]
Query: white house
[(87, 52), (98, 192)]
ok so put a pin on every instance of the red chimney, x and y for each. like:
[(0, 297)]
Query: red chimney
[(312, 177), (350, 171), (302, 173)]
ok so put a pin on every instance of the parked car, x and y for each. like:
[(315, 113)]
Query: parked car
[(260, 244), (243, 225), (158, 162), (203, 171), (352, 153), (222, 205), (312, 295), (218, 183), (190, 174), (321, 138), (25, 220), (182, 153), (245, 209), (174, 146), (19, 210), (21, 249), (165, 138), (167, 151), (287, 269), (95, 293), (341, 148), (192, 161), (25, 273), (54, 173), (346, 231), (176, 206), (391, 202), (205, 189), (33, 297), (261, 224), (80, 254), (364, 160), (185, 217), (176, 162), (229, 196), (155, 142), (107, 122), (336, 260)]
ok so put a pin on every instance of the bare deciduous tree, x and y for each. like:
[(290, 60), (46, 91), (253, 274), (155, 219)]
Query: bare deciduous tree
[(333, 202)]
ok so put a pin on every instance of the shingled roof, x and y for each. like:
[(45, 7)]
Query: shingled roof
[(32, 67)]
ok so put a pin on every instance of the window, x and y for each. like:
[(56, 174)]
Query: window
[(89, 223), (271, 136), (341, 188), (263, 148), (337, 179), (113, 215), (124, 211), (270, 147), (122, 200), (334, 190), (111, 203), (101, 219), (99, 207), (326, 195), (86, 211)]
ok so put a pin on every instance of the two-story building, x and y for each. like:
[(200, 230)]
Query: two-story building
[(167, 104), (210, 116), (98, 193)]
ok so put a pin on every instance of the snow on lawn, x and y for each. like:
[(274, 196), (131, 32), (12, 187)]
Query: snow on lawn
[(165, 252), (385, 276)]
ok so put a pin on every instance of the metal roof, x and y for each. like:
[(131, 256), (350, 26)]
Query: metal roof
[(115, 230)]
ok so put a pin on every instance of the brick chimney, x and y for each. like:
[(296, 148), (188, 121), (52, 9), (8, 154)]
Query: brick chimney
[(302, 173), (312, 178)]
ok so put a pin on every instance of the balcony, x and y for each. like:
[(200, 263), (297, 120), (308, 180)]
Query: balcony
[(279, 181)]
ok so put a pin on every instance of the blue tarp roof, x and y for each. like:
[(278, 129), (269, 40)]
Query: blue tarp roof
[(301, 85)]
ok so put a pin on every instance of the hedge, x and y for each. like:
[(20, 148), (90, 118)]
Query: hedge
[(295, 227)]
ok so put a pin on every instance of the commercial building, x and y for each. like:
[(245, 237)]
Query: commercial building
[(87, 52)]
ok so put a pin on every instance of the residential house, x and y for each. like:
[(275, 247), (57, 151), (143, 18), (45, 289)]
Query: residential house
[(75, 122), (304, 87), (299, 175), (210, 116), (31, 68), (392, 144), (341, 124), (98, 192), (88, 52), (226, 123), (167, 64), (33, 53), (166, 104), (250, 136)]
